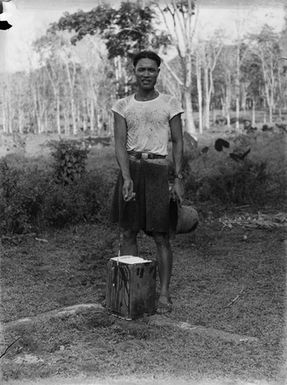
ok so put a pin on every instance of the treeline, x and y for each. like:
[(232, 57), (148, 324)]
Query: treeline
[(67, 93), (84, 66)]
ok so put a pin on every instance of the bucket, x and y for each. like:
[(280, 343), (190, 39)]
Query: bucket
[(184, 218)]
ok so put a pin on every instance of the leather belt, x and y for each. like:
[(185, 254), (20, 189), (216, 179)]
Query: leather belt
[(146, 155)]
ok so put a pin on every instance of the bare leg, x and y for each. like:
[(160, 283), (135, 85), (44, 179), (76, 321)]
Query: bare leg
[(164, 255), (128, 244)]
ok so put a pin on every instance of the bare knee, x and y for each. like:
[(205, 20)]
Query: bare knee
[(129, 236), (128, 242), (161, 239)]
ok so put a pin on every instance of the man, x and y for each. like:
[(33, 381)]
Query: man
[(142, 122)]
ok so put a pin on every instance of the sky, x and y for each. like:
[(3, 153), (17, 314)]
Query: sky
[(30, 19)]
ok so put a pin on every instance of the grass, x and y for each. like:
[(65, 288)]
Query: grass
[(210, 268)]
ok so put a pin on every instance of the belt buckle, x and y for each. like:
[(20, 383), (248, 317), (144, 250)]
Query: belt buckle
[(145, 155)]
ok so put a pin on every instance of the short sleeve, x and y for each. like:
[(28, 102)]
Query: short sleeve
[(119, 107), (175, 107)]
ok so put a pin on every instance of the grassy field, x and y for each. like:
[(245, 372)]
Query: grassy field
[(211, 268), (230, 275)]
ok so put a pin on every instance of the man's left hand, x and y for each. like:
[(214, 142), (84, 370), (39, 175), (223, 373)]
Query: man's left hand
[(177, 190)]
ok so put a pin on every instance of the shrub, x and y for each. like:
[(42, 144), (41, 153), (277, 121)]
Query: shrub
[(22, 194), (70, 160), (33, 200), (245, 183), (84, 200), (260, 179)]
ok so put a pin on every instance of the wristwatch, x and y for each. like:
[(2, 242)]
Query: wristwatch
[(178, 176)]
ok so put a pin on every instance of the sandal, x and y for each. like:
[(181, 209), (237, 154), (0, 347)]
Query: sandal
[(164, 307), (103, 303)]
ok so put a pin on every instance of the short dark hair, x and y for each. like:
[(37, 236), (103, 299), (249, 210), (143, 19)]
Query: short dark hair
[(146, 55)]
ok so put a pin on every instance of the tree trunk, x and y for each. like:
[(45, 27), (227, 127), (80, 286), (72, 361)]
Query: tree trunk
[(253, 113), (4, 109), (223, 106), (98, 123), (243, 98), (213, 115), (272, 89), (58, 114), (268, 101), (92, 116), (38, 106), (85, 125), (228, 117), (52, 75), (269, 84), (46, 123), (199, 91), (187, 68), (110, 124), (210, 90), (9, 109), (4, 117), (73, 114), (189, 123), (228, 94), (71, 81), (237, 113), (67, 123), (19, 115), (227, 108), (126, 80), (264, 113), (118, 72), (208, 86), (205, 108), (78, 116), (237, 86), (270, 114)]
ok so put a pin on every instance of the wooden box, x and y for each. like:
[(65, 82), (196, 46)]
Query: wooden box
[(131, 286)]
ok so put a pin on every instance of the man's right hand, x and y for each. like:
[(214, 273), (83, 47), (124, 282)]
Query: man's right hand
[(128, 190)]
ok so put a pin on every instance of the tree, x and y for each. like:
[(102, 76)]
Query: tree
[(224, 79), (6, 104), (41, 99), (283, 64), (253, 79), (180, 20), (283, 39), (81, 79), (130, 28), (268, 50), (210, 52), (199, 88), (48, 47), (59, 63), (125, 30)]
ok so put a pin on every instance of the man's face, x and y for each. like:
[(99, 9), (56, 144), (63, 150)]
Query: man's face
[(146, 72)]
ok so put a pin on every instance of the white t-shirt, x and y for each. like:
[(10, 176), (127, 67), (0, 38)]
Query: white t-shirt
[(148, 122)]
